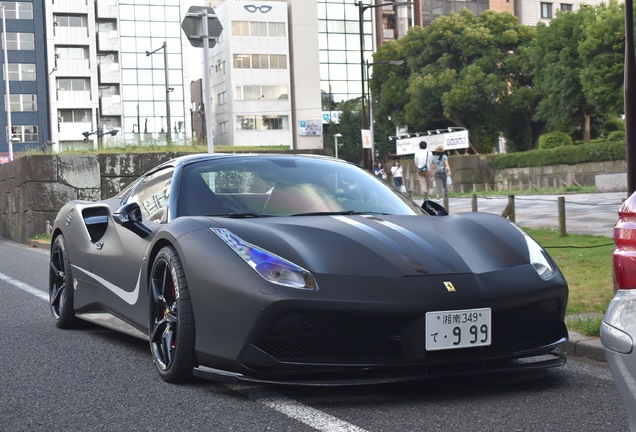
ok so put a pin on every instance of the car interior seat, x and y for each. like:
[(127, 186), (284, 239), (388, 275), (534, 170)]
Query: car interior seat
[(197, 199)]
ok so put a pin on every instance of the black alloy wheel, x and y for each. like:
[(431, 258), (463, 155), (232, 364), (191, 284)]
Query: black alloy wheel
[(61, 285), (171, 318)]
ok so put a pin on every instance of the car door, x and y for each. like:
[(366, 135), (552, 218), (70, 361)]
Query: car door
[(120, 259)]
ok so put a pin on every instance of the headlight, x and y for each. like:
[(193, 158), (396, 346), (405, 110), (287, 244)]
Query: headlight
[(269, 266), (538, 256)]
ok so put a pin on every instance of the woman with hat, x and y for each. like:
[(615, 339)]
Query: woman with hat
[(441, 171)]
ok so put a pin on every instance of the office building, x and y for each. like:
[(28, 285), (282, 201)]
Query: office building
[(116, 73), (27, 79), (265, 75)]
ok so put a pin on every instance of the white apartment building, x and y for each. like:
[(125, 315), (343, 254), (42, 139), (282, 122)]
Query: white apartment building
[(533, 12), (265, 75)]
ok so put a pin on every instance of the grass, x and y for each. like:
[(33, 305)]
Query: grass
[(586, 263), (153, 147), (548, 191)]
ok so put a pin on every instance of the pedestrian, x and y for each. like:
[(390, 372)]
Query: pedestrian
[(379, 171), (442, 171), (423, 163), (396, 172)]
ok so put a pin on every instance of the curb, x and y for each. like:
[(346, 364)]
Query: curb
[(41, 244), (584, 346)]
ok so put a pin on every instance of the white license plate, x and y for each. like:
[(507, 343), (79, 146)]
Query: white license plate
[(457, 329)]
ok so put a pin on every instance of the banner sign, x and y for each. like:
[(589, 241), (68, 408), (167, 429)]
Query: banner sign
[(449, 140)]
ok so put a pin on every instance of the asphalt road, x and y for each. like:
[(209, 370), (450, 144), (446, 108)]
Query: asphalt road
[(93, 379)]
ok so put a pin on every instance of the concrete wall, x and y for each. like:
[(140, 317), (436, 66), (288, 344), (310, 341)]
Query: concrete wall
[(33, 188), (474, 173)]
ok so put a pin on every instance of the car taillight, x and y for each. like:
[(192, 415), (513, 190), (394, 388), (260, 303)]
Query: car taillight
[(625, 252)]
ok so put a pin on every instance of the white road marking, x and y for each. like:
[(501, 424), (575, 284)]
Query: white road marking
[(25, 287), (312, 417)]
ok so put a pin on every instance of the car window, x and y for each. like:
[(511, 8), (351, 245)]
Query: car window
[(283, 186), (153, 194)]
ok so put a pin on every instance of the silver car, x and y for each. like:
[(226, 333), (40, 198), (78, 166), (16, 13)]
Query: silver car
[(618, 328)]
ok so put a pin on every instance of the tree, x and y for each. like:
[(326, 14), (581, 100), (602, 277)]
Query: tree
[(349, 127), (462, 70), (602, 54), (558, 69)]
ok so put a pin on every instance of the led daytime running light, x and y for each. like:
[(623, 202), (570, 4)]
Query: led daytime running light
[(269, 266)]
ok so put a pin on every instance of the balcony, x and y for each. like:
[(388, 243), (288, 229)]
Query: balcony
[(111, 106), (73, 131), (73, 99), (72, 6), (71, 36), (109, 73), (73, 67), (106, 9), (108, 41)]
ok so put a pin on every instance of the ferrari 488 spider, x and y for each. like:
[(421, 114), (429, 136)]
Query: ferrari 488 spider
[(304, 270)]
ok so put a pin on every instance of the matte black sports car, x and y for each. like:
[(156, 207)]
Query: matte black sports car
[(305, 270)]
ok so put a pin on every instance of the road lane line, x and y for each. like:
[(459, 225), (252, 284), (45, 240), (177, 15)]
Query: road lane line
[(25, 287), (312, 417)]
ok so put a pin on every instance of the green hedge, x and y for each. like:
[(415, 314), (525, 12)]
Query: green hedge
[(568, 155)]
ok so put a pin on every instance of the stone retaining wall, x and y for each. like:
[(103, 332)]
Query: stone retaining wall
[(33, 188)]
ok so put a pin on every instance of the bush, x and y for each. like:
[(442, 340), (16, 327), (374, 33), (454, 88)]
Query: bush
[(614, 124), (618, 135), (553, 140), (568, 155)]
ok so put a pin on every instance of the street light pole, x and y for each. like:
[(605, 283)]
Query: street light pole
[(387, 62), (6, 85), (367, 157), (164, 47), (336, 136)]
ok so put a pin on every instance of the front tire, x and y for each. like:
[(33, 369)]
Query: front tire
[(61, 285), (172, 328)]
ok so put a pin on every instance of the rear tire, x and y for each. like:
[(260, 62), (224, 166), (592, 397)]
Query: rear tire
[(61, 285), (172, 331)]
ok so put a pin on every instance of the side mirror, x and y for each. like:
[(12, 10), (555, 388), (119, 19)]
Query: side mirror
[(433, 209), (129, 216)]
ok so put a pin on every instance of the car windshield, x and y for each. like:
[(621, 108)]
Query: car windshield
[(261, 186)]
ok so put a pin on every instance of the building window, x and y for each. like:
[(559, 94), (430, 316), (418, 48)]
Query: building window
[(222, 98), (256, 92), (260, 61), (24, 102), (21, 72), (25, 133), (73, 84), (75, 116), (546, 10), (18, 10), (258, 29), (20, 41), (566, 7), (71, 20), (255, 122), (223, 127), (69, 52)]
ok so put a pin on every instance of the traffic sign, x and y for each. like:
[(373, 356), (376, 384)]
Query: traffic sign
[(193, 26)]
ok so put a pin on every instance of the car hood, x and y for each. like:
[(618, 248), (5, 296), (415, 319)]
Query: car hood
[(389, 246)]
